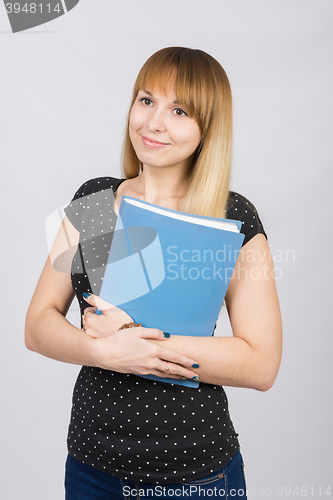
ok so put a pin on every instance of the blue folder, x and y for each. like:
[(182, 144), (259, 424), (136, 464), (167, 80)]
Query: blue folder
[(170, 270)]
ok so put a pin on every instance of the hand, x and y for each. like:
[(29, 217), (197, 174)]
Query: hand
[(106, 324), (130, 351)]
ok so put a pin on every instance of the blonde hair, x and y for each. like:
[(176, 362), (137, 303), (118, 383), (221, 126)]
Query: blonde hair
[(202, 86)]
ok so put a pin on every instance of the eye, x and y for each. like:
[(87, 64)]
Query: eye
[(146, 101), (180, 112)]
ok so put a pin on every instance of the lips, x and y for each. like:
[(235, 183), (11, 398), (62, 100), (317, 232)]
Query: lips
[(150, 143)]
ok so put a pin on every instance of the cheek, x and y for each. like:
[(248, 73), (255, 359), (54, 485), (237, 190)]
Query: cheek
[(192, 138), (132, 129), (135, 121), (135, 125), (131, 121)]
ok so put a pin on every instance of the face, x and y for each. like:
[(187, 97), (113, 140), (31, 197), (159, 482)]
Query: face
[(162, 132)]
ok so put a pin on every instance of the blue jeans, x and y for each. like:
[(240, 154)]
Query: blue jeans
[(83, 482)]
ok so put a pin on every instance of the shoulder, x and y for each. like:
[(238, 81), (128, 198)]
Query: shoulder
[(97, 184), (80, 205), (241, 208)]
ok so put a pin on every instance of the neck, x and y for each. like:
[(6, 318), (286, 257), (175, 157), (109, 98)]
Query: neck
[(161, 186)]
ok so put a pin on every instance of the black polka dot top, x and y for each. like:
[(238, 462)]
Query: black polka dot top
[(129, 426)]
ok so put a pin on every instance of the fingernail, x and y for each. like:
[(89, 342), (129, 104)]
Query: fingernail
[(195, 378), (86, 295), (195, 365), (166, 334), (183, 378)]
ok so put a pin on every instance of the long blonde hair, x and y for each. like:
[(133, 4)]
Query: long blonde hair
[(202, 86)]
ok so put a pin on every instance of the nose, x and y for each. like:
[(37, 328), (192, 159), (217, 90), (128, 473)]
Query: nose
[(156, 122)]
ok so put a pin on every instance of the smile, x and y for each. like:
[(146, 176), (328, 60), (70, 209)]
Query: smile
[(150, 143)]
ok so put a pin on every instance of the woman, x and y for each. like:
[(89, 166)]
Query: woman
[(129, 436)]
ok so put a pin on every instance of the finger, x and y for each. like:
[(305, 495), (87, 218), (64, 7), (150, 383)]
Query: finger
[(93, 320), (169, 370), (152, 334), (96, 301), (160, 374), (173, 370), (174, 357), (176, 377), (85, 315), (162, 352), (88, 310), (91, 332)]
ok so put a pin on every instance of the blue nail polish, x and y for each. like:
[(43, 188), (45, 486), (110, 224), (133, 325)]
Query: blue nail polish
[(86, 295), (196, 378), (166, 335), (195, 365)]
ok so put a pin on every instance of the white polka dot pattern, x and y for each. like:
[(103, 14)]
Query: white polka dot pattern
[(129, 426)]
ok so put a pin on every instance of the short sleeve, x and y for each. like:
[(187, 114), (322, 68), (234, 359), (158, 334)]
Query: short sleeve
[(75, 208), (80, 204), (240, 208)]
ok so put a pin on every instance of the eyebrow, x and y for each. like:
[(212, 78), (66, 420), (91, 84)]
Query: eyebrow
[(149, 93)]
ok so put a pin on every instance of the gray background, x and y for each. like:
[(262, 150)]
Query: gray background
[(65, 91)]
